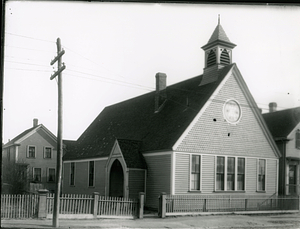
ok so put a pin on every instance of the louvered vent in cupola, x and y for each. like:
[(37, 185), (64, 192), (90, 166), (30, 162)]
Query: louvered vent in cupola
[(211, 59), (225, 59)]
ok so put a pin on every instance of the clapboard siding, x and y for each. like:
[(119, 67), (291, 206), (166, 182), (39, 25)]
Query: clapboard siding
[(158, 177), (136, 183), (210, 134), (81, 178), (182, 171), (271, 176), (208, 173), (251, 175)]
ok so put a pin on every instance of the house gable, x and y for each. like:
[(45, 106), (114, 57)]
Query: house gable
[(211, 133)]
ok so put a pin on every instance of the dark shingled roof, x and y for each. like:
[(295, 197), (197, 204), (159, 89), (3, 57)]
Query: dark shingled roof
[(218, 34), (135, 119), (281, 123), (11, 142), (132, 156)]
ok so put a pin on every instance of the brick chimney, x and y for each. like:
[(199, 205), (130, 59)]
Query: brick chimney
[(272, 107), (35, 122), (160, 93)]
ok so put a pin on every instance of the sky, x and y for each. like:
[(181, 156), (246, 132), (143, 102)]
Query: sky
[(114, 50)]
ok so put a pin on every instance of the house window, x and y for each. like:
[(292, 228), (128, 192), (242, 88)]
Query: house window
[(241, 174), (72, 174), (47, 152), (195, 173), (261, 175), (51, 175), (298, 139), (230, 173), (37, 174), (91, 173), (220, 173), (31, 151)]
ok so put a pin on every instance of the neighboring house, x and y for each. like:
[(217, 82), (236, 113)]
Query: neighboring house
[(284, 125), (204, 135), (36, 148)]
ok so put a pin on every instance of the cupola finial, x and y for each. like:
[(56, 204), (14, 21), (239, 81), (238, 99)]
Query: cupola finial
[(218, 19)]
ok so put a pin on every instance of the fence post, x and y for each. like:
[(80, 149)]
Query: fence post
[(95, 204), (162, 205), (141, 204), (42, 206)]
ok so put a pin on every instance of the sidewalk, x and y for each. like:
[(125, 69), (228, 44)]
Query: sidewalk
[(211, 221)]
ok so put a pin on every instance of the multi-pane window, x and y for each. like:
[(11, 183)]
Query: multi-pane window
[(51, 175), (220, 173), (195, 173), (241, 174), (37, 174), (261, 175), (72, 174), (47, 152), (31, 152), (91, 173), (230, 173)]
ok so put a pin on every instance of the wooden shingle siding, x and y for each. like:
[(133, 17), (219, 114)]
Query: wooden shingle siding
[(208, 173), (158, 178), (136, 183), (212, 134), (251, 175), (182, 171), (271, 175)]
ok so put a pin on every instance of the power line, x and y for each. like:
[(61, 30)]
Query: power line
[(28, 48), (33, 38), (26, 63)]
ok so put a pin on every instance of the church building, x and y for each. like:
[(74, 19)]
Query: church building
[(204, 135)]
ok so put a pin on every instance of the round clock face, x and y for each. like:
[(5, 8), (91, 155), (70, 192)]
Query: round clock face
[(232, 111)]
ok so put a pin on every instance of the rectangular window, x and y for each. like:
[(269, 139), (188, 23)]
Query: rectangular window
[(298, 139), (72, 174), (91, 173), (47, 152), (51, 175), (31, 151), (230, 173), (37, 174), (261, 174), (241, 174), (220, 173), (195, 173), (8, 154)]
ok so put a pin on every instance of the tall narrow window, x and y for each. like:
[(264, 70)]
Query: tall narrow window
[(261, 174), (31, 152), (241, 174), (230, 173), (298, 139), (220, 173), (8, 154), (51, 175), (72, 173), (211, 59), (195, 173), (91, 173), (37, 174)]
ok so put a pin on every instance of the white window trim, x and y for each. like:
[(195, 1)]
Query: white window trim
[(45, 152), (48, 173), (27, 153), (257, 172), (88, 180), (33, 173), (225, 173), (72, 185), (190, 172)]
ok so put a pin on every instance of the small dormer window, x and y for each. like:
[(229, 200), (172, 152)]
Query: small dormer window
[(211, 59), (298, 139), (225, 59)]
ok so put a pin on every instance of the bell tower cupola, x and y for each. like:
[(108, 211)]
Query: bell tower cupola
[(218, 53)]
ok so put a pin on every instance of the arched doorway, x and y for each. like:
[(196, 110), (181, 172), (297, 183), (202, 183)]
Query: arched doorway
[(116, 180)]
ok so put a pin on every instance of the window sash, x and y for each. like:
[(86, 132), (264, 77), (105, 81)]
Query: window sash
[(220, 173), (91, 173), (37, 174), (72, 173), (31, 151), (195, 173), (47, 152), (51, 175), (261, 174), (241, 174)]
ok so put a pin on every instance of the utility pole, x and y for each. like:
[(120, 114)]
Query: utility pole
[(60, 68)]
